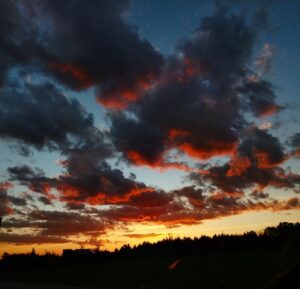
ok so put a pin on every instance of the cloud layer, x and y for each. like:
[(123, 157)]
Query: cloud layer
[(181, 111)]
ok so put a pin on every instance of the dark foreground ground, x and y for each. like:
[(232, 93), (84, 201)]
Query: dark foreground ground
[(267, 261), (249, 270), (24, 285)]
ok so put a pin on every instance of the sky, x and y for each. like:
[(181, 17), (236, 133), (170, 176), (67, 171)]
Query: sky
[(131, 121)]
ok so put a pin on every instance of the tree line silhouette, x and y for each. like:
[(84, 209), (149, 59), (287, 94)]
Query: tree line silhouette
[(285, 235)]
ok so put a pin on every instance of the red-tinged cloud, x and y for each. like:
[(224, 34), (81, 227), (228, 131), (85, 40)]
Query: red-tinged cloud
[(90, 181), (213, 150), (5, 186), (270, 110), (119, 63), (238, 165), (93, 47), (192, 67), (185, 206), (261, 97), (198, 106), (62, 227), (72, 71), (256, 166), (121, 97), (264, 160), (111, 198), (5, 204), (200, 115), (160, 164), (35, 180), (137, 158), (196, 103), (85, 181), (189, 206)]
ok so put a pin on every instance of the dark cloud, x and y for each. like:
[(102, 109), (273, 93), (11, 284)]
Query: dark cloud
[(57, 224), (195, 196), (261, 97), (188, 206), (259, 195), (89, 178), (151, 199), (256, 165), (19, 202), (17, 36), (262, 148), (74, 206), (34, 179), (99, 185), (194, 102), (294, 143), (86, 179), (81, 44), (199, 103), (7, 201), (295, 140), (140, 142), (45, 200), (41, 116), (98, 47), (220, 47), (29, 239), (261, 17), (5, 208)]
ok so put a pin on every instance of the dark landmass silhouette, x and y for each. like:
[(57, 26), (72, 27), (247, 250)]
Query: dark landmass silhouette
[(270, 260)]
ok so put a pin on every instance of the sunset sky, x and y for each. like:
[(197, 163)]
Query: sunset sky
[(130, 121)]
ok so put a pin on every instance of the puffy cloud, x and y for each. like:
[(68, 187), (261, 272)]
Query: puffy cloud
[(263, 148), (92, 46), (34, 179), (255, 166), (97, 47), (220, 47), (199, 105), (17, 36), (41, 116), (101, 186), (195, 103), (141, 143), (86, 180), (261, 97)]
